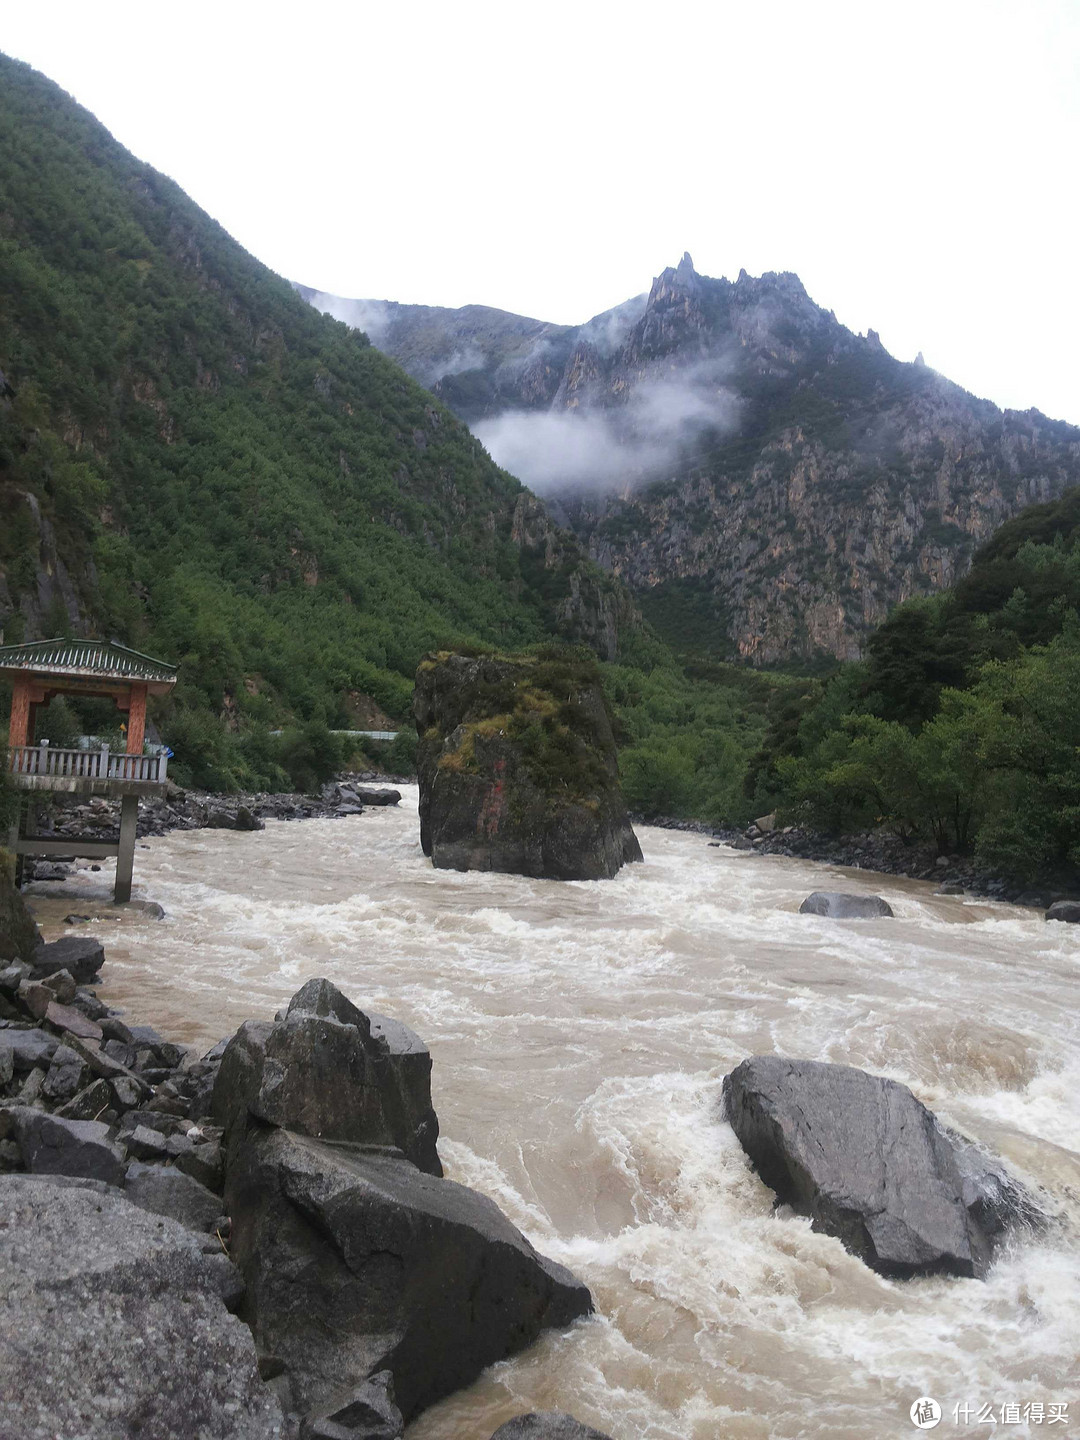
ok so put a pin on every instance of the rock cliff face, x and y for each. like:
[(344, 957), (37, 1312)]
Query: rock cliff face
[(517, 768), (767, 482)]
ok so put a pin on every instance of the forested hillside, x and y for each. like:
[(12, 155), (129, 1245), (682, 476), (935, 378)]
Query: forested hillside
[(962, 724), (195, 461)]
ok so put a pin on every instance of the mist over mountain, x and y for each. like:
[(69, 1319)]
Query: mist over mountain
[(769, 483)]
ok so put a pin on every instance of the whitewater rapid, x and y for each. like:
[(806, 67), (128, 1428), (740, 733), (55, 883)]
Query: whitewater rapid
[(580, 1034)]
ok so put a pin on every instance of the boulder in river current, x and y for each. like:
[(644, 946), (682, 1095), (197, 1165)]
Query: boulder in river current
[(356, 1262), (838, 905), (1066, 910), (517, 767), (872, 1166), (358, 1257)]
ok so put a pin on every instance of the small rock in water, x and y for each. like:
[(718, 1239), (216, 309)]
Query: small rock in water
[(837, 905), (546, 1425)]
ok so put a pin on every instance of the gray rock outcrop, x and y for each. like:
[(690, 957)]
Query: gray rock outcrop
[(356, 1262), (115, 1327), (330, 1071), (872, 1166), (838, 905), (358, 1257), (517, 768)]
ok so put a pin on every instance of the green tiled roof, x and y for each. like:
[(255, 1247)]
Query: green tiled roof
[(96, 659)]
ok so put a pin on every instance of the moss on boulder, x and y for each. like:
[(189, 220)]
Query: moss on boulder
[(517, 766)]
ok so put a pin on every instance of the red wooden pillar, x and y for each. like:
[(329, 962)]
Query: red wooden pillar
[(136, 720), (20, 713)]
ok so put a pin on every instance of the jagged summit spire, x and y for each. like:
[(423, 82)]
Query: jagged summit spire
[(685, 267)]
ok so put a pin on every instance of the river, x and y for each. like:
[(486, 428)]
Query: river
[(580, 1034)]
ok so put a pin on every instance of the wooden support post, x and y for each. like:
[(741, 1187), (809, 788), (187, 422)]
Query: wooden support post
[(125, 859), (136, 720), (20, 713)]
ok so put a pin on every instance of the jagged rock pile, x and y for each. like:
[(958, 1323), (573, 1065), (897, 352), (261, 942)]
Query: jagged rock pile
[(290, 1176)]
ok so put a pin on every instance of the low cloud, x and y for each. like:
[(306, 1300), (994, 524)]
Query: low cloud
[(371, 316), (617, 447), (470, 358)]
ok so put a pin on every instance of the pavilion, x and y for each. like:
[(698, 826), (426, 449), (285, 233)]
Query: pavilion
[(41, 669)]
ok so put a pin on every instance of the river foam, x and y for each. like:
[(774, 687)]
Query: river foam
[(580, 1034)]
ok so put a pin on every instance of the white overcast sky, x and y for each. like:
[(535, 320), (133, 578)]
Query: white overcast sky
[(915, 163)]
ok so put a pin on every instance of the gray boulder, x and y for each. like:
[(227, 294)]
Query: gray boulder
[(165, 1191), (1065, 910), (28, 1047), (546, 1425), (328, 1071), (114, 1324), (368, 1412), (377, 797), (840, 906), (52, 1145), (871, 1165), (80, 955), (357, 1262)]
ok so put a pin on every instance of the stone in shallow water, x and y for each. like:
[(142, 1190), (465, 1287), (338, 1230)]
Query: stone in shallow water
[(546, 1425), (80, 955), (1066, 910), (838, 905), (871, 1165)]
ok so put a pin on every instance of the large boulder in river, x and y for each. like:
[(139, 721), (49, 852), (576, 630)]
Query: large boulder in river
[(517, 767), (1065, 910), (357, 1263), (838, 905), (330, 1071), (871, 1165), (113, 1323)]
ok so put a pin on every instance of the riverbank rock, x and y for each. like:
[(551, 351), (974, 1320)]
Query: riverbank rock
[(871, 1165), (114, 1325), (837, 905), (546, 1425), (1065, 910), (357, 1262), (19, 935), (82, 956), (327, 1070), (517, 768)]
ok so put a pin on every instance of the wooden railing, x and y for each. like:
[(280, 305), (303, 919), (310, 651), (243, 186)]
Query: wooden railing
[(101, 764)]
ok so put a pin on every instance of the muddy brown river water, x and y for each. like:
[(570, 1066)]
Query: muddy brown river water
[(580, 1034)]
